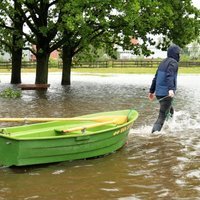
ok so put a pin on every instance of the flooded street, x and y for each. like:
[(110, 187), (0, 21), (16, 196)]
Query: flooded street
[(150, 167)]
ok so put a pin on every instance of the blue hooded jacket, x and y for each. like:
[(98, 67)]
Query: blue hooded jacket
[(166, 75)]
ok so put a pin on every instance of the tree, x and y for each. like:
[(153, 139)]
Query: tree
[(42, 18), (116, 22), (75, 25), (11, 24), (93, 54), (17, 45), (183, 20)]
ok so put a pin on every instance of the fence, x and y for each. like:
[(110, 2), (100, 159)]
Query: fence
[(105, 64), (131, 64), (26, 64)]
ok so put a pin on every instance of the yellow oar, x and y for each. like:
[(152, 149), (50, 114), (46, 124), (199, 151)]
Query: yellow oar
[(118, 119), (82, 128)]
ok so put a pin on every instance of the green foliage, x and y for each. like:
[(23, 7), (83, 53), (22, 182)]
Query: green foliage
[(93, 54), (115, 22), (192, 51), (53, 63), (10, 93), (82, 24)]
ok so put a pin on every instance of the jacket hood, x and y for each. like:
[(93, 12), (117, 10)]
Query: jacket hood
[(174, 52)]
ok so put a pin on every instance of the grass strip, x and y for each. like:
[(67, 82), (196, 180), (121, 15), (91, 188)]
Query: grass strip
[(141, 70)]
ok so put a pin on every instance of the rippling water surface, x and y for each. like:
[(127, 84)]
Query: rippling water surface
[(158, 166)]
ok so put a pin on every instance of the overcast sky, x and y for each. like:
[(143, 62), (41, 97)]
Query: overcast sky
[(196, 3)]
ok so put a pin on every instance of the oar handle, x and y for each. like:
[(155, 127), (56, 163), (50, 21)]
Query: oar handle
[(43, 119), (118, 119)]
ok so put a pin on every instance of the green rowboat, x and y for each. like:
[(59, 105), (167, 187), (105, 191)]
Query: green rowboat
[(70, 139)]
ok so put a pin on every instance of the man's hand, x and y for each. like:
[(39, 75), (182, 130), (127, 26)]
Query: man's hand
[(171, 93), (151, 96)]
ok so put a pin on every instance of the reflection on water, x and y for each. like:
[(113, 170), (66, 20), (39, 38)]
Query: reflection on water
[(158, 166)]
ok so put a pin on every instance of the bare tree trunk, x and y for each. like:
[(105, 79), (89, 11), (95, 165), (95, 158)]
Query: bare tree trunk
[(16, 66), (42, 68), (16, 49), (67, 64)]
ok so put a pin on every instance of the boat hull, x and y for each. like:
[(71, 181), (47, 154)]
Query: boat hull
[(33, 149)]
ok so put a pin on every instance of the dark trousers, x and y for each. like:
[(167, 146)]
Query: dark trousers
[(165, 110)]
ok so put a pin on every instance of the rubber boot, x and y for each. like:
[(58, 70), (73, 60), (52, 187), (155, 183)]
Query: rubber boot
[(156, 127)]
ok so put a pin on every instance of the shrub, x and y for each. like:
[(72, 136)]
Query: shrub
[(10, 93)]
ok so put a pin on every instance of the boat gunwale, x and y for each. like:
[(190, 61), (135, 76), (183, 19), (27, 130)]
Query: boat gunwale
[(71, 135)]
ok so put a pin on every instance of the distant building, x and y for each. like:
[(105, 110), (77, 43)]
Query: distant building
[(128, 54), (54, 55)]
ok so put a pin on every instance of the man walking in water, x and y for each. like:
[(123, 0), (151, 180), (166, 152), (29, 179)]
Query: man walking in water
[(164, 85)]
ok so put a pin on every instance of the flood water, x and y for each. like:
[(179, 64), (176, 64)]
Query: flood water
[(149, 167)]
